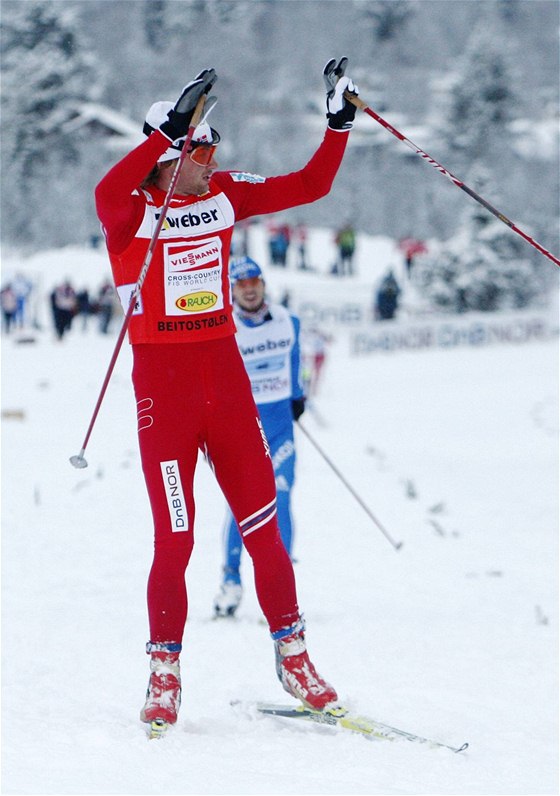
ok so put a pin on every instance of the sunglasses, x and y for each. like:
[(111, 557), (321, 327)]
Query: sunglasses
[(252, 281), (202, 155)]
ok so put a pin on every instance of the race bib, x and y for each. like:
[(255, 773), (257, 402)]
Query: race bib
[(193, 276)]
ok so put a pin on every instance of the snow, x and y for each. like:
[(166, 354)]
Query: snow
[(454, 636)]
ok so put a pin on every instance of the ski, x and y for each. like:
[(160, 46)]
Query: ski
[(157, 729), (342, 717)]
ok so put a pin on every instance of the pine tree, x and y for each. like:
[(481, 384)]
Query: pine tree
[(481, 98), (386, 17), (154, 24), (46, 76), (483, 267)]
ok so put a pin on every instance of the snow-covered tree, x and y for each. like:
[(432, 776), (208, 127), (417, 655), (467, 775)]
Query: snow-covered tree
[(481, 98), (484, 267), (154, 24), (46, 76), (509, 9), (386, 17)]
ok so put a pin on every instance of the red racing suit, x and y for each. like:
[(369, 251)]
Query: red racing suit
[(191, 387)]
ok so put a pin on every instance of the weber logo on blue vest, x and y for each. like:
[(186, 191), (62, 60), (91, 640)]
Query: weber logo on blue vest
[(269, 345)]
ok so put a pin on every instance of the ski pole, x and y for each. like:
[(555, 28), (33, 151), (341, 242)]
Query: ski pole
[(198, 115), (396, 545), (362, 106)]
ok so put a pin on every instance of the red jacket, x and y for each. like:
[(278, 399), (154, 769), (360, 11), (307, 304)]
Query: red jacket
[(186, 295)]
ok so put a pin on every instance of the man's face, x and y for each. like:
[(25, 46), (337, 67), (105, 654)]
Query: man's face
[(194, 177), (249, 293)]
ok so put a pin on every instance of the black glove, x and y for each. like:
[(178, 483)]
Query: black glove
[(179, 118), (298, 408), (340, 112)]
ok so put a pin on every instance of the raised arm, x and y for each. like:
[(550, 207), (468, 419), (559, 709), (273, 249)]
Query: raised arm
[(119, 204), (253, 195)]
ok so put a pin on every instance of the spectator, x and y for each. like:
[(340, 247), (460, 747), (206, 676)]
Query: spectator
[(8, 300), (411, 247), (22, 288), (314, 347), (240, 240), (278, 243), (300, 238), (64, 306), (345, 240), (106, 306), (83, 307), (387, 298)]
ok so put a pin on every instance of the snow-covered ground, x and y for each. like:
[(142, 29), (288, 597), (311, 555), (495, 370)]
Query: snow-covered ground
[(454, 636)]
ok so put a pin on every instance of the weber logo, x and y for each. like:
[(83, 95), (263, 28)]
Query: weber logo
[(175, 497)]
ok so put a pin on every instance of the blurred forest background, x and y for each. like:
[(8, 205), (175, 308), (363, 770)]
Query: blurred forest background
[(473, 82)]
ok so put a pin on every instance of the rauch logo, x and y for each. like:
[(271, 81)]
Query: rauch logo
[(195, 302)]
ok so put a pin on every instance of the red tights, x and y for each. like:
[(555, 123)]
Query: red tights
[(193, 396)]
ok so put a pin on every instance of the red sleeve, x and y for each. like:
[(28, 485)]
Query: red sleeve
[(119, 208), (273, 194)]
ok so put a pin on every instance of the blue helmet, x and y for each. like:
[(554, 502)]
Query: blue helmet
[(244, 268)]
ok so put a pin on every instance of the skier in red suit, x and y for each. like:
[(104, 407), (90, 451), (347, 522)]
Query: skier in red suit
[(190, 383)]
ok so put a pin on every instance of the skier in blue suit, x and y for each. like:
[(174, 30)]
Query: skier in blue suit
[(268, 339)]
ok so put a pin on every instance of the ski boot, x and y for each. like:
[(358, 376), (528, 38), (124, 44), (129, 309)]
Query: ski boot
[(163, 696), (296, 672), (227, 600)]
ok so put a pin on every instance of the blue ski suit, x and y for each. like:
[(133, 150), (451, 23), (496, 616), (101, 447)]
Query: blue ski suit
[(271, 353)]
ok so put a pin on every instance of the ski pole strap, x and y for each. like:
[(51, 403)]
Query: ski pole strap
[(163, 646)]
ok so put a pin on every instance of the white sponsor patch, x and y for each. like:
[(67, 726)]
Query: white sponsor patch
[(193, 276), (125, 292), (244, 176), (174, 494)]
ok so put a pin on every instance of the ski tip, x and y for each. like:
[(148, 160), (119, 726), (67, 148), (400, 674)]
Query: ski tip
[(157, 729), (462, 748)]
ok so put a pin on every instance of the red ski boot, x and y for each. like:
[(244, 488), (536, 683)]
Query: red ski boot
[(163, 696), (296, 672)]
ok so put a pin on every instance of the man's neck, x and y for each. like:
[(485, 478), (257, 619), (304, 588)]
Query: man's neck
[(254, 317)]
